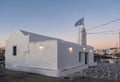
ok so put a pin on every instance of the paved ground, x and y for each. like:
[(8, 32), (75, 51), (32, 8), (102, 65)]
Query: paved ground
[(13, 76), (102, 71)]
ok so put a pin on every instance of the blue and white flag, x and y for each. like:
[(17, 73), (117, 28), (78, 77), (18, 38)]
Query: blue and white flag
[(79, 22)]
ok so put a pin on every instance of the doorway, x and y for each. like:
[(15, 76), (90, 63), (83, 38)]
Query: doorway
[(86, 58)]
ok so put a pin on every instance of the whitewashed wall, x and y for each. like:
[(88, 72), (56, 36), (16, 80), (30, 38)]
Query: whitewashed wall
[(45, 57), (67, 59), (21, 41), (90, 51), (29, 54)]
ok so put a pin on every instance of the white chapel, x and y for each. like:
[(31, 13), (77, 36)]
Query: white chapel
[(30, 52)]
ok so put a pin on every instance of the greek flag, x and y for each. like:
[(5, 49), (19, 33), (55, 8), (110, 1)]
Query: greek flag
[(79, 22)]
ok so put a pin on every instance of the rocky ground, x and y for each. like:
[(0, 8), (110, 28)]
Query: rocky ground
[(102, 71), (99, 73)]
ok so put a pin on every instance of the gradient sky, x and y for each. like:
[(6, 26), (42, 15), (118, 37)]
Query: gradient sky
[(56, 18)]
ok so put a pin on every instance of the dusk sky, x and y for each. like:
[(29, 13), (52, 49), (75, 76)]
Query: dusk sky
[(56, 18)]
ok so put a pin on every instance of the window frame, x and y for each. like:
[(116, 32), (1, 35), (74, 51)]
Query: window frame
[(14, 50)]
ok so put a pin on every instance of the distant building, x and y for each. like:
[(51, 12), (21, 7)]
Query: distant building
[(112, 52), (100, 52), (40, 54), (2, 53)]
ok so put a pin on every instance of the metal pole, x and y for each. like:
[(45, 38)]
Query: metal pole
[(119, 40), (83, 23)]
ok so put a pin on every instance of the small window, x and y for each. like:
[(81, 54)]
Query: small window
[(80, 56), (14, 50)]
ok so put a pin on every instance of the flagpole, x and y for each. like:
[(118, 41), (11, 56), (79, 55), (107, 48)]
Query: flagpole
[(83, 22), (83, 25), (80, 31), (78, 35), (119, 40), (84, 37)]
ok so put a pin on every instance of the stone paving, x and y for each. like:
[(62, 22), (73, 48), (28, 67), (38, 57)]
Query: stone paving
[(102, 71)]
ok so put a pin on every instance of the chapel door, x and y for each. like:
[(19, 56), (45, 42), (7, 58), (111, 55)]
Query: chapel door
[(86, 57)]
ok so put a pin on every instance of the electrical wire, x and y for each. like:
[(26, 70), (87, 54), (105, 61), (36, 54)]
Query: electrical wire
[(103, 24), (102, 33), (105, 32)]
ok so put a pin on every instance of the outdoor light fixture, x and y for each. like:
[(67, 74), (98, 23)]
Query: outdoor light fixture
[(41, 47), (84, 49), (91, 50), (70, 49)]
